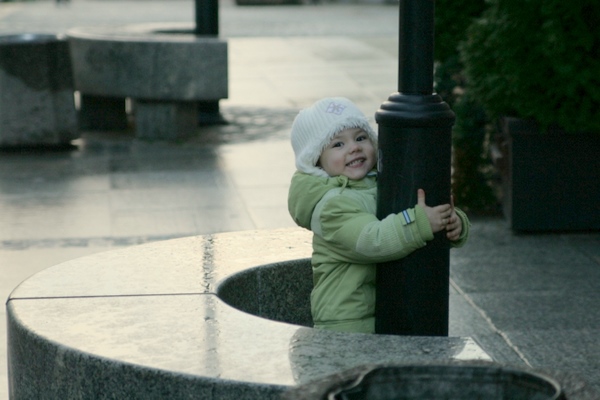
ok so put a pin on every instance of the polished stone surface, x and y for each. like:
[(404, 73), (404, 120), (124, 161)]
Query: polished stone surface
[(190, 265), (199, 335), (106, 324)]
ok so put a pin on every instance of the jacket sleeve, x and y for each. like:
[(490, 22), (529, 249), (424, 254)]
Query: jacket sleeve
[(355, 235), (466, 226)]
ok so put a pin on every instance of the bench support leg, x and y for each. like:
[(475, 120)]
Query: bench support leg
[(164, 119), (100, 113)]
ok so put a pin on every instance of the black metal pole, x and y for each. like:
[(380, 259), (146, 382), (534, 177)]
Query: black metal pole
[(207, 23), (207, 17), (415, 128)]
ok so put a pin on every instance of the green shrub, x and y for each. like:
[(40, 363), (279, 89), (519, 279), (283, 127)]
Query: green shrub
[(452, 18), (471, 164), (472, 177), (537, 59)]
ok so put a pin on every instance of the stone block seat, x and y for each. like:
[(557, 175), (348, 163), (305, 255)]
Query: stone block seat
[(217, 316), (36, 92), (165, 69)]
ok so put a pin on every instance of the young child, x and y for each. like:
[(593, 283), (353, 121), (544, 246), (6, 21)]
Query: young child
[(333, 194)]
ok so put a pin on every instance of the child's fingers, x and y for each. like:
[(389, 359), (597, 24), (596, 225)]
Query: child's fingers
[(421, 197), (444, 210), (452, 236), (454, 229)]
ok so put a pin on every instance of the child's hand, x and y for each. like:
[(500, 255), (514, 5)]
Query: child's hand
[(454, 227), (439, 216)]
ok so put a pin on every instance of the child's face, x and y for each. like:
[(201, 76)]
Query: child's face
[(350, 153)]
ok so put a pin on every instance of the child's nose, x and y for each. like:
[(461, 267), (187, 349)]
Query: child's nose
[(355, 147)]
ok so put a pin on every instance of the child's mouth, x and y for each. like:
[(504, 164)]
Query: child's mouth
[(356, 162)]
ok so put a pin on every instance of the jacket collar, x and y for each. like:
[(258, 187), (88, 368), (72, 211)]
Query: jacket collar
[(367, 182)]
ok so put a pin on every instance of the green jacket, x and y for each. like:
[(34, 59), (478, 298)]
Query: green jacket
[(348, 241)]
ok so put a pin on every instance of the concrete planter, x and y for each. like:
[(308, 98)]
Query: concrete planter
[(551, 181)]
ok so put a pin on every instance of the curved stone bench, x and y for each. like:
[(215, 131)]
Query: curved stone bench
[(164, 68), (216, 316)]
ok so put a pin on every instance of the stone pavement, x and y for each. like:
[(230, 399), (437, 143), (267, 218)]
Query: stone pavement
[(527, 299)]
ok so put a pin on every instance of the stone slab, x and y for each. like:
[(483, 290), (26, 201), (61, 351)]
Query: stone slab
[(37, 107), (194, 335), (149, 61), (190, 265), (147, 322)]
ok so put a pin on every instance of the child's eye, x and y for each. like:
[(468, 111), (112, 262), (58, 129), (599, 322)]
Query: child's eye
[(337, 144), (361, 138)]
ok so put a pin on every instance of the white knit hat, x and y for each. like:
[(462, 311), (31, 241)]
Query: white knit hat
[(315, 126)]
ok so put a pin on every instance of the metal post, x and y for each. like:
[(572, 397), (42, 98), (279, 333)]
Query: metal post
[(207, 23), (414, 152), (207, 17)]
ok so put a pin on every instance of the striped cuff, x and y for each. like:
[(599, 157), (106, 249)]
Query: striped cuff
[(408, 216)]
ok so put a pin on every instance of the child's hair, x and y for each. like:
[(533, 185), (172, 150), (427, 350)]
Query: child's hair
[(315, 126)]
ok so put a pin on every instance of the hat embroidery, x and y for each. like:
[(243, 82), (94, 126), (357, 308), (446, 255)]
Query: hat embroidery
[(335, 108)]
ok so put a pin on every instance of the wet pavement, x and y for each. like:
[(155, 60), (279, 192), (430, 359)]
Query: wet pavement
[(527, 299)]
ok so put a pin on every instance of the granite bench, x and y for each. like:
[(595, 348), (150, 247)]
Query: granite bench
[(218, 316), (36, 103), (166, 70)]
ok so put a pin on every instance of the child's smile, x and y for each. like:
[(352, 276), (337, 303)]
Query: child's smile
[(350, 153), (356, 162)]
